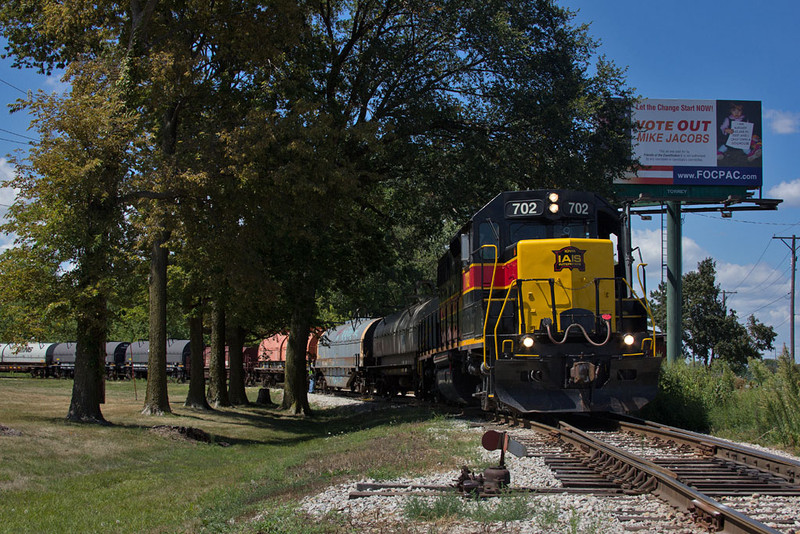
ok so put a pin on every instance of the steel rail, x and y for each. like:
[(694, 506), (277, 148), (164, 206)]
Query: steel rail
[(785, 468), (646, 476)]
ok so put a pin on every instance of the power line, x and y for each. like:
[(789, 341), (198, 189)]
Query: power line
[(731, 221), (754, 266), (774, 277), (17, 134), (793, 248), (24, 143), (14, 87), (765, 305)]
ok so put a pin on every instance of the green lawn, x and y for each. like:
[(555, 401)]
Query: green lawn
[(64, 477)]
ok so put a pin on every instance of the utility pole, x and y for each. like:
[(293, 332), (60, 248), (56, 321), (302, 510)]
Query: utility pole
[(793, 248), (725, 299)]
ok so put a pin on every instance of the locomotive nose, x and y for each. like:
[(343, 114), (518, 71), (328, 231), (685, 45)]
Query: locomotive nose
[(582, 373)]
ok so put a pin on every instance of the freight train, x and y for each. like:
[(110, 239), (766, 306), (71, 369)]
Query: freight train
[(535, 312), (123, 359), (263, 363)]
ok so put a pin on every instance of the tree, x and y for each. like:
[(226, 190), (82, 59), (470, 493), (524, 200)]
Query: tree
[(173, 56), (351, 131), (69, 217), (709, 332), (399, 115), (196, 397)]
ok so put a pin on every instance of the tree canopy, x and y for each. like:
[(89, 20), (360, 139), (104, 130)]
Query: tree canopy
[(710, 331), (321, 152)]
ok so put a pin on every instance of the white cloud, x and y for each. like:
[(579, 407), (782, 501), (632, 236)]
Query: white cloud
[(788, 191), (55, 84), (7, 197), (650, 243), (6, 170), (782, 122)]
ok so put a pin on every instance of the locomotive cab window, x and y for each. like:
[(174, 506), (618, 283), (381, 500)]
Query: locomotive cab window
[(488, 234)]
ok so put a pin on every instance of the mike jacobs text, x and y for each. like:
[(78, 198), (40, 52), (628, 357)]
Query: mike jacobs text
[(682, 131)]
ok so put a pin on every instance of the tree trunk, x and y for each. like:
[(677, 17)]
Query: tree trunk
[(236, 388), (156, 401), (88, 388), (295, 389), (196, 398), (217, 392)]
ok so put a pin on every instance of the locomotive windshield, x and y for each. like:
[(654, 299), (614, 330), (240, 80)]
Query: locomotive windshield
[(555, 229)]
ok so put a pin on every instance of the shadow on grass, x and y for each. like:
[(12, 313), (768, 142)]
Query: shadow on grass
[(293, 429)]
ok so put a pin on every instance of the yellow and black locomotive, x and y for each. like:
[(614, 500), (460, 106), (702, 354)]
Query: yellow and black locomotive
[(534, 313)]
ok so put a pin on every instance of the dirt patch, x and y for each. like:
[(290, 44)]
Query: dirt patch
[(6, 431), (185, 433)]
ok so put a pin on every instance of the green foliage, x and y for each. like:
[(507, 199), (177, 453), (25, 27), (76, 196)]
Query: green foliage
[(710, 332), (453, 506), (780, 419), (762, 407), (286, 519), (543, 512), (510, 508), (442, 507), (681, 399)]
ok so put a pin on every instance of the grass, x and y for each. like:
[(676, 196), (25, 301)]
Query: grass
[(495, 515), (762, 407), (64, 477)]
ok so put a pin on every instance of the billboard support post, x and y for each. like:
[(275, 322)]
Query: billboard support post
[(674, 275)]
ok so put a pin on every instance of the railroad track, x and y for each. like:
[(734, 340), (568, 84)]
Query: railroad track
[(708, 483), (726, 487)]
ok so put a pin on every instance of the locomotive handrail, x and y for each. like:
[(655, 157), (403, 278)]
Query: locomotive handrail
[(646, 306), (499, 318), (489, 304), (551, 281)]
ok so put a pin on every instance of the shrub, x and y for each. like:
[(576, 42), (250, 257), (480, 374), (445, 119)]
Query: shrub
[(781, 404), (680, 400)]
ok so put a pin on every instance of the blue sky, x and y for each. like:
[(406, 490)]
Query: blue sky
[(733, 50), (680, 49)]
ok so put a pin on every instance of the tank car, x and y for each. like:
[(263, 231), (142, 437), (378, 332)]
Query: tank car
[(397, 343), (34, 358), (270, 368), (344, 354), (64, 359), (115, 359), (178, 358), (179, 355)]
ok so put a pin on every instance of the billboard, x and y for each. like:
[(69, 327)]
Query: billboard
[(684, 144)]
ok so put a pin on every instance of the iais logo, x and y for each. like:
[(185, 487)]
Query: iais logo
[(569, 258)]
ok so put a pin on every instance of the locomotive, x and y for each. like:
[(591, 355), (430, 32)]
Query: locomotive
[(533, 313)]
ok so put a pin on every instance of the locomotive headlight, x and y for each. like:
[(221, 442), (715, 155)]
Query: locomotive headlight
[(553, 207), (628, 339), (527, 341)]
